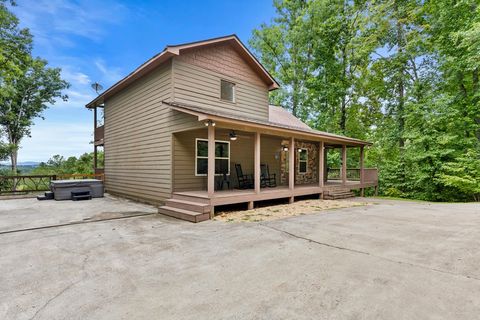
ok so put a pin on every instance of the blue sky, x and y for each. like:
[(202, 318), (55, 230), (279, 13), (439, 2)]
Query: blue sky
[(105, 40)]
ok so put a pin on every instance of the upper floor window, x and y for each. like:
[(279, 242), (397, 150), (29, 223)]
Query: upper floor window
[(227, 91)]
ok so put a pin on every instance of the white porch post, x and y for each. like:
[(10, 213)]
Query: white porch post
[(211, 161), (291, 168), (95, 156), (321, 166), (344, 165), (362, 171), (257, 163)]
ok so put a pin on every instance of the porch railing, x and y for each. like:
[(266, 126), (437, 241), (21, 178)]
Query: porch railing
[(370, 174), (35, 183)]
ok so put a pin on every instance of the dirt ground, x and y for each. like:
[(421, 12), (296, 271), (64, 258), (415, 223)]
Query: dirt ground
[(298, 208)]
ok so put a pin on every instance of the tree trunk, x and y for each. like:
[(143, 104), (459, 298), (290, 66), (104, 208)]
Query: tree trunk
[(400, 87), (343, 115), (475, 86), (295, 100), (13, 160), (343, 106)]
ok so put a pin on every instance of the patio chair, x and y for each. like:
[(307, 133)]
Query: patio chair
[(245, 181), (267, 179)]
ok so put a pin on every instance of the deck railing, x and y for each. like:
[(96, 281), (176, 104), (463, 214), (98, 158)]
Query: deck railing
[(35, 183), (370, 174)]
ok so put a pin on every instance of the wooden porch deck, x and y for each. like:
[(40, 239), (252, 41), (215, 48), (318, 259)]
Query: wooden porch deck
[(223, 197)]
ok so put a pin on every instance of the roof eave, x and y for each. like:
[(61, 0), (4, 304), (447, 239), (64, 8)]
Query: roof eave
[(145, 68), (205, 116)]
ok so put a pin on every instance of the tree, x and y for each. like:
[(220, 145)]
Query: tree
[(404, 74), (57, 164), (27, 85), (15, 43), (286, 50), (28, 94)]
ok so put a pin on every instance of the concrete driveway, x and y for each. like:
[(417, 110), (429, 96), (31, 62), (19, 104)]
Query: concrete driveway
[(392, 260)]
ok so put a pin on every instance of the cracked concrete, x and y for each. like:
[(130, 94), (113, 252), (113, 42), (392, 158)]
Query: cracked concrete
[(393, 260)]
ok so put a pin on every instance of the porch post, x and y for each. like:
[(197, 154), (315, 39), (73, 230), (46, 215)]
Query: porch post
[(211, 161), (344, 165), (257, 163), (291, 168), (362, 169), (321, 164), (94, 134)]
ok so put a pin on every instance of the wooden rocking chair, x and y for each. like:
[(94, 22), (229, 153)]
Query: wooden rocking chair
[(245, 181), (267, 179)]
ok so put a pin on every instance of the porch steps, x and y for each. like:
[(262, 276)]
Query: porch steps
[(188, 205), (183, 214), (338, 194)]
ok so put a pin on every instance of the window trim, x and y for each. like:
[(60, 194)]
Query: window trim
[(202, 157), (300, 161), (234, 93)]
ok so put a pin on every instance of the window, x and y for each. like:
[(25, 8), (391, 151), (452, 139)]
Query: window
[(227, 91), (302, 161), (222, 157)]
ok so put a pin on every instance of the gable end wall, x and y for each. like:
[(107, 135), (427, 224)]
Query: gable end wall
[(138, 138), (197, 75)]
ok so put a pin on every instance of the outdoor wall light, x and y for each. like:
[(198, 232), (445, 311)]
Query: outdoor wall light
[(209, 123), (299, 150), (285, 148), (233, 136)]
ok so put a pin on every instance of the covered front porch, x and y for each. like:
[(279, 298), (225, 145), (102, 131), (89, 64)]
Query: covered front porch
[(225, 163)]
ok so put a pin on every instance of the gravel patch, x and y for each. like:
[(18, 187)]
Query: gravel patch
[(285, 210)]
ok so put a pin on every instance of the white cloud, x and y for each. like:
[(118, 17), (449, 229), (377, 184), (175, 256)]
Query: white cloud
[(49, 20), (109, 74), (50, 138), (80, 91)]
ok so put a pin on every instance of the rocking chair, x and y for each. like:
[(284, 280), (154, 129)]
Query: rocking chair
[(245, 181), (267, 179)]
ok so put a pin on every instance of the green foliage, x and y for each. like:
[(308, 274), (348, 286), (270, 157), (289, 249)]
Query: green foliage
[(403, 74), (72, 165), (27, 85)]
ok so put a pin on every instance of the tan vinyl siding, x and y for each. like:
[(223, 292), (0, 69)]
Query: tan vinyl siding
[(138, 134), (200, 87), (223, 59), (270, 154)]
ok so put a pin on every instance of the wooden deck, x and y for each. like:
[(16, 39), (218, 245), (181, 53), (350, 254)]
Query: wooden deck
[(223, 197)]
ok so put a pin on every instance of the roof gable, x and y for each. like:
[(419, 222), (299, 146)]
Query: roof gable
[(176, 50), (224, 59)]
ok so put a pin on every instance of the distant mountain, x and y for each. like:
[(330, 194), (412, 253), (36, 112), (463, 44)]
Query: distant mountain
[(29, 163), (22, 164)]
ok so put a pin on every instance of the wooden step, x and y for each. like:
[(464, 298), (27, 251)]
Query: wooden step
[(342, 195), (49, 195), (188, 205), (191, 198), (184, 214)]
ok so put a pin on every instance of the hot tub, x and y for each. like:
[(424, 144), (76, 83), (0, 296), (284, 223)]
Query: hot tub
[(63, 189)]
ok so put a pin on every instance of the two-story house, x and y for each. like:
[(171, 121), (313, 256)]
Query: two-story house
[(192, 128)]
